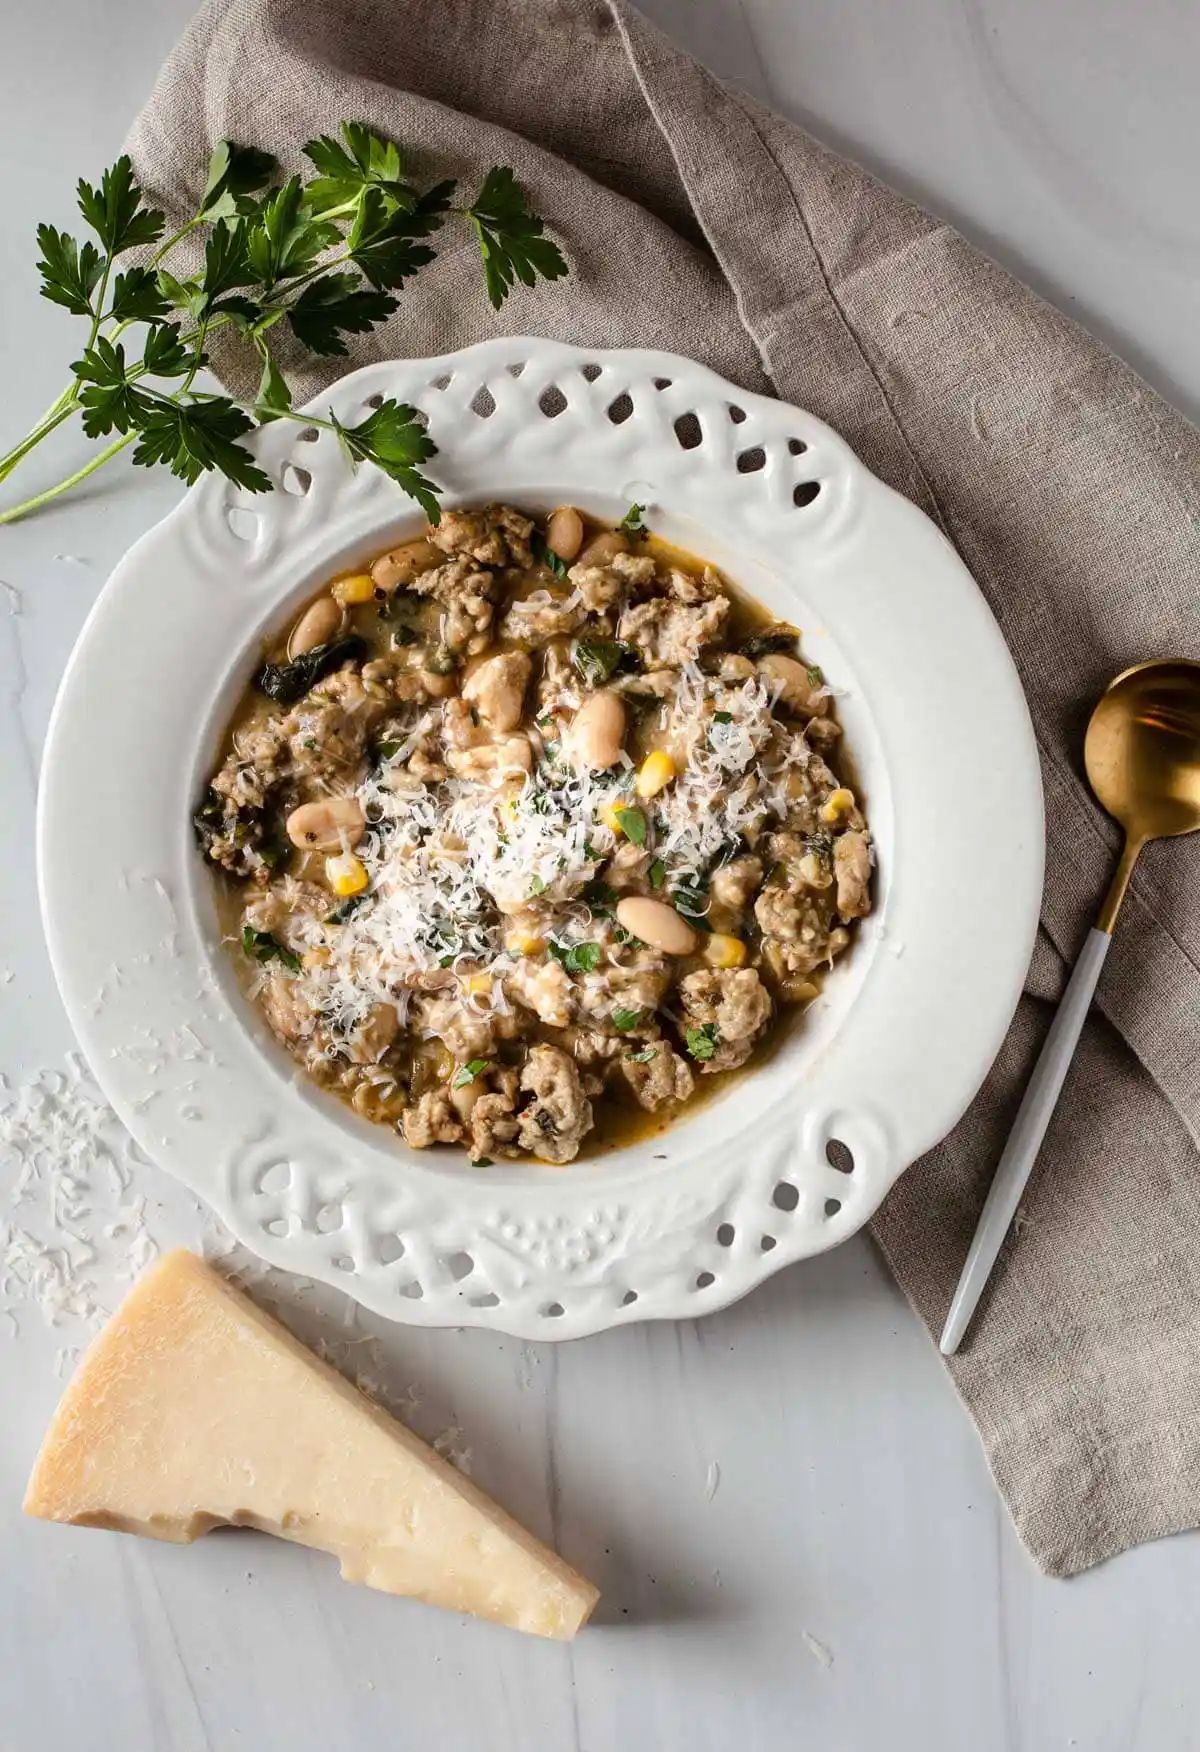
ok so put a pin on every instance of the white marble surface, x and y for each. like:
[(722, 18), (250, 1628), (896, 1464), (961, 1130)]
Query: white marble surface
[(853, 1517)]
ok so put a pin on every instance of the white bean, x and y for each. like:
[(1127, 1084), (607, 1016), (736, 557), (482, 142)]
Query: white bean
[(564, 532), (792, 678), (656, 923), (322, 826), (320, 622), (604, 547), (404, 563), (598, 731)]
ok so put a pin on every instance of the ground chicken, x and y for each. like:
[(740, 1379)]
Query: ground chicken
[(602, 587), (554, 1122), (537, 619), (852, 869), (496, 689), (660, 1079), (669, 632), (496, 536), (731, 1007), (546, 988), (432, 1119)]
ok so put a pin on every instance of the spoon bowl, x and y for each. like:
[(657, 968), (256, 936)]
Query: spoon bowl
[(1142, 750)]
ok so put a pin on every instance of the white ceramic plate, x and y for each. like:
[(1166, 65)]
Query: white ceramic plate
[(885, 1062)]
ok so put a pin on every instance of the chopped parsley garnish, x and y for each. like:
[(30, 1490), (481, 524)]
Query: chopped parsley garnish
[(340, 914), (546, 556), (658, 873), (722, 717), (576, 957), (777, 638), (597, 660), (633, 824), (481, 1162), (262, 946), (816, 675), (467, 1073), (690, 897), (387, 750), (624, 1020), (702, 1042), (631, 523), (288, 682), (536, 886), (641, 1058)]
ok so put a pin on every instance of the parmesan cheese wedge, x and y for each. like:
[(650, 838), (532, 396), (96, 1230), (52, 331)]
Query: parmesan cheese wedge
[(194, 1409)]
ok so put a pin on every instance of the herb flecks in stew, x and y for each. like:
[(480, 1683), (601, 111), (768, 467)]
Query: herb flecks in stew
[(529, 826)]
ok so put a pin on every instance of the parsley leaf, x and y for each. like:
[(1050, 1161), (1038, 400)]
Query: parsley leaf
[(702, 1042), (109, 401), (69, 270), (273, 397), (816, 675), (690, 898), (511, 238), (234, 172), (115, 211), (641, 1058), (624, 1020), (536, 886), (286, 239), (262, 946), (393, 438), (366, 160), (381, 242), (658, 873), (467, 1073), (597, 660), (545, 555), (632, 523), (226, 262), (481, 1161), (165, 355), (340, 914), (196, 436), (578, 957), (335, 305), (138, 297), (722, 717), (633, 824)]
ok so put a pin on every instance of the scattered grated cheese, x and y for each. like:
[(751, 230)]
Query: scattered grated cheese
[(72, 1226)]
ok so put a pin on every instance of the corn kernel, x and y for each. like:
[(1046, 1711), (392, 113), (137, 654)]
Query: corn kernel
[(837, 805), (479, 984), (721, 950), (524, 943), (609, 813), (360, 587), (655, 773), (346, 874)]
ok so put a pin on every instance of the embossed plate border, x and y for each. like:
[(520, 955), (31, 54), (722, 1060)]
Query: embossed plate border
[(791, 1158)]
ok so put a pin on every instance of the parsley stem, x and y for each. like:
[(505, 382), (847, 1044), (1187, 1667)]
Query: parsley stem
[(55, 417), (81, 474)]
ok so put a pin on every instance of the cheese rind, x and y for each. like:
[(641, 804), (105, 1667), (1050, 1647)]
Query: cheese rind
[(194, 1409)]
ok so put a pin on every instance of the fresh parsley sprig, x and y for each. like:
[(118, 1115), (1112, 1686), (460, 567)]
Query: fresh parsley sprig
[(324, 255)]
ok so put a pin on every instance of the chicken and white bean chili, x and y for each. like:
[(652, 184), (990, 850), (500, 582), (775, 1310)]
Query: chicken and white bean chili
[(532, 827)]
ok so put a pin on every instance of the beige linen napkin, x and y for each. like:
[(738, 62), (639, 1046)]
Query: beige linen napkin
[(697, 221)]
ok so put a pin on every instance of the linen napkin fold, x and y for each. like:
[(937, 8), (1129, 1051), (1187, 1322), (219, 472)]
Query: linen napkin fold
[(698, 221)]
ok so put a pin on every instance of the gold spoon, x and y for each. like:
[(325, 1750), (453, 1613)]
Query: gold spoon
[(1142, 754)]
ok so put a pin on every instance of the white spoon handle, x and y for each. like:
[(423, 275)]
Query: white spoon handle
[(1025, 1139)]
